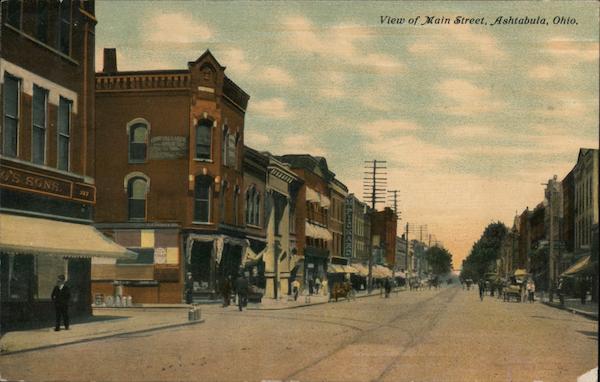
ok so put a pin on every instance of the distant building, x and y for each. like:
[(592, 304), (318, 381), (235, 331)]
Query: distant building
[(357, 228), (586, 197), (401, 254), (383, 232)]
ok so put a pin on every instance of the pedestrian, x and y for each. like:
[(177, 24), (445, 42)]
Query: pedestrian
[(583, 288), (481, 285), (295, 288), (317, 285), (61, 296), (241, 288), (530, 290), (226, 292), (189, 288), (311, 285), (387, 286)]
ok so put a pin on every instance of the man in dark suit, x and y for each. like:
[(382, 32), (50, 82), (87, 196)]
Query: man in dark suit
[(61, 296), (241, 288)]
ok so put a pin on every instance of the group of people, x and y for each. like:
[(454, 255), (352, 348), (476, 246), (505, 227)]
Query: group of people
[(240, 286), (527, 289)]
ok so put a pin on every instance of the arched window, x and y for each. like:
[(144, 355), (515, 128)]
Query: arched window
[(203, 139), (138, 142), (202, 194), (257, 209), (252, 206), (236, 208), (136, 193)]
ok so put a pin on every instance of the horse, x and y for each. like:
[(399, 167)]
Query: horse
[(342, 290)]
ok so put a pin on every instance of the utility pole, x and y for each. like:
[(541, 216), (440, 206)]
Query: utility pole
[(374, 187), (394, 201)]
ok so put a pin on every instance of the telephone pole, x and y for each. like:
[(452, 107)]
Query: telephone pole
[(394, 201), (374, 187)]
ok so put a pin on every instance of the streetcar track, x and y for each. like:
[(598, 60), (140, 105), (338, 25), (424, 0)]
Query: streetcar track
[(412, 338)]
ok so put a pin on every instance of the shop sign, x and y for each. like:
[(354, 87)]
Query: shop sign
[(310, 265), (41, 184), (160, 255)]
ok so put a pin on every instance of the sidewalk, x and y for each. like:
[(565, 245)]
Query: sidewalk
[(573, 305), (105, 323)]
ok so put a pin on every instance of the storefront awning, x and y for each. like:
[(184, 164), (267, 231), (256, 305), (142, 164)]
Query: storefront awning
[(34, 236), (521, 273), (316, 197), (582, 265), (335, 268), (362, 270), (350, 269), (317, 232)]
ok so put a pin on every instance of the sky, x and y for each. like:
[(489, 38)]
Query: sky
[(471, 119)]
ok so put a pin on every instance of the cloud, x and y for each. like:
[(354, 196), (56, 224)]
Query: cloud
[(235, 60), (546, 72), (253, 138), (466, 98), (176, 28), (474, 131), (275, 76), (344, 44), (568, 105), (272, 107), (333, 86), (382, 128), (301, 144), (578, 50), (460, 64)]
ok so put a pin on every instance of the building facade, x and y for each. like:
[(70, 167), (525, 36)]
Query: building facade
[(312, 211), (401, 254), (357, 228), (586, 198), (169, 148), (47, 180), (383, 234)]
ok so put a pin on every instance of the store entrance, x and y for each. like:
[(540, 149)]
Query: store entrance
[(200, 264)]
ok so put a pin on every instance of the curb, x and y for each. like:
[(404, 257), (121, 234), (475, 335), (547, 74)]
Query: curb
[(591, 316), (84, 340), (311, 304)]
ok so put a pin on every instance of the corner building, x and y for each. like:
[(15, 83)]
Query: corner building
[(47, 185), (169, 149)]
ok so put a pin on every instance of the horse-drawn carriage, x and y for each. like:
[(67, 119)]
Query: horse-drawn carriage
[(342, 290)]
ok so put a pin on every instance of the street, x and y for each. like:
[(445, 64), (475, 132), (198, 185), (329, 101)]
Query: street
[(432, 335)]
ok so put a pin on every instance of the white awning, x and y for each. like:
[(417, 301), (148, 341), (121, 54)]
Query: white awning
[(35, 236), (580, 266), (317, 232), (362, 270), (335, 268)]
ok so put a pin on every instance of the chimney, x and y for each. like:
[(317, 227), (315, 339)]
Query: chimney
[(110, 60)]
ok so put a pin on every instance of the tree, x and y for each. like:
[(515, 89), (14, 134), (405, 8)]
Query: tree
[(485, 251), (439, 259)]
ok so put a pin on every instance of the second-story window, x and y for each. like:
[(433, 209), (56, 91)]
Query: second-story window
[(64, 133), (13, 16), (203, 139), (10, 131), (136, 193), (138, 138), (41, 32), (63, 40), (40, 102), (202, 194), (252, 206)]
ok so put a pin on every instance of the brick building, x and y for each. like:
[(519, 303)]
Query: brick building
[(169, 147), (47, 189), (383, 233), (312, 211)]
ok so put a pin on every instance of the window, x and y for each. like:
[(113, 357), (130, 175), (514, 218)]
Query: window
[(64, 133), (138, 138), (136, 192), (252, 206), (41, 32), (203, 139), (231, 161), (236, 208), (202, 193), (63, 41), (11, 115), (40, 103), (17, 277), (13, 16)]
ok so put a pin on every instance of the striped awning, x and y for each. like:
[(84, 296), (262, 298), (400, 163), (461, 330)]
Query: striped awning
[(316, 232)]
